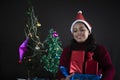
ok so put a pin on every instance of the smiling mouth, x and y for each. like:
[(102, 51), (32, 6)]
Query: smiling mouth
[(79, 37)]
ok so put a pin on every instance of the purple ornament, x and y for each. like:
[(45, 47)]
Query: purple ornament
[(55, 34), (23, 49)]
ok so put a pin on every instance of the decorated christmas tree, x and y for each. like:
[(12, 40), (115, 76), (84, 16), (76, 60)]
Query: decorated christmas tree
[(35, 54), (53, 46)]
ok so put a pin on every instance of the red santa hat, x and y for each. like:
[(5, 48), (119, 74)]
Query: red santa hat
[(80, 18)]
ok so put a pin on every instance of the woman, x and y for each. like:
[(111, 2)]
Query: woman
[(83, 41)]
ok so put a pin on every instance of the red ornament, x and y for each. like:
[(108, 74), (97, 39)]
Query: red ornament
[(19, 62)]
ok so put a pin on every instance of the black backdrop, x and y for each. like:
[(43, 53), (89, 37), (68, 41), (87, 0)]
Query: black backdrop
[(103, 15)]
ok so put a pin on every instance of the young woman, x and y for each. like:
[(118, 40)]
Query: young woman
[(83, 41)]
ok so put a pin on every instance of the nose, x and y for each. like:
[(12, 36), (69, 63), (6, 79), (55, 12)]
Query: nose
[(78, 32)]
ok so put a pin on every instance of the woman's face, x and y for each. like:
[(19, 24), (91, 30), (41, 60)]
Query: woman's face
[(80, 32)]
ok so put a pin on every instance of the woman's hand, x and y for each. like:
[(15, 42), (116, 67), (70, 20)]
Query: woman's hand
[(68, 77)]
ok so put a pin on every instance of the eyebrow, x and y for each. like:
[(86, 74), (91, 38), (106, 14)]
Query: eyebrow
[(79, 28)]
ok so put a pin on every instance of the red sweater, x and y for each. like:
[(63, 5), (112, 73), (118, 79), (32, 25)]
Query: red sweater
[(106, 67)]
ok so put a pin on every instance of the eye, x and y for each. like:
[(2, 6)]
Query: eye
[(82, 30), (74, 30)]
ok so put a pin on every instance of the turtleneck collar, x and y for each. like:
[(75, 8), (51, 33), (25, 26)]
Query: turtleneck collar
[(90, 42), (78, 46)]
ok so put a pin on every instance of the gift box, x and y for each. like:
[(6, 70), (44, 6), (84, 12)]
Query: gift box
[(85, 77), (78, 76), (77, 60), (91, 66)]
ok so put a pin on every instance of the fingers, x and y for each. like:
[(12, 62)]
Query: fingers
[(69, 76)]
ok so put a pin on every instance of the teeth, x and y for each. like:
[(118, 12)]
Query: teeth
[(79, 37)]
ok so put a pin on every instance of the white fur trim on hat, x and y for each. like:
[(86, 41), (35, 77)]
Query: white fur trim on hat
[(80, 11), (86, 23)]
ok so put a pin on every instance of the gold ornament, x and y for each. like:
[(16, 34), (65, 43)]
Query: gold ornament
[(38, 24), (37, 47), (29, 59)]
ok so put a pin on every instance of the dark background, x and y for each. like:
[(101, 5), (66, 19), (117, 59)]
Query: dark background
[(59, 14)]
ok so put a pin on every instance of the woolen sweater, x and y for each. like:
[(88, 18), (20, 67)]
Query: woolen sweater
[(101, 55)]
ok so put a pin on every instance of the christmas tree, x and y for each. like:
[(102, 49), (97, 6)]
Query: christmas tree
[(35, 54), (53, 46), (32, 41)]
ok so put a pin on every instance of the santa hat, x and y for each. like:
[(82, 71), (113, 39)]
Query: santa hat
[(80, 18)]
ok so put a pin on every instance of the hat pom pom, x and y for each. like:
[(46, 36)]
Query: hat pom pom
[(80, 12)]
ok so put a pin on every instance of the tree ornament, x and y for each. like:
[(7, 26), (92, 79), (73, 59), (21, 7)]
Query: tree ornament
[(37, 47), (55, 34), (38, 24)]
